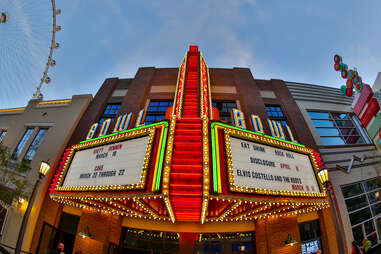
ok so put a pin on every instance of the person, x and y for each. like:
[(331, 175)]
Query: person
[(367, 246), (355, 248), (60, 249)]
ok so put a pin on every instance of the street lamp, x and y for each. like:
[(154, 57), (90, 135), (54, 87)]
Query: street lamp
[(44, 168), (324, 179)]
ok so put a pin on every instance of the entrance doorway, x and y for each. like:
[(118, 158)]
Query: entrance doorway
[(237, 242), (65, 233), (148, 241)]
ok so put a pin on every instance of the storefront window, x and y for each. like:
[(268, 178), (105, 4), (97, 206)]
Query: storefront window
[(356, 202), (358, 233), (142, 241), (156, 111), (374, 196), (337, 128), (242, 242), (310, 236), (364, 209), (352, 190)]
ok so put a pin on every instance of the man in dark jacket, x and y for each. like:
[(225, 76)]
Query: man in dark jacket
[(60, 249)]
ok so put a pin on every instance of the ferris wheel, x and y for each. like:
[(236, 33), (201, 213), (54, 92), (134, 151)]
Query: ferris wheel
[(27, 42)]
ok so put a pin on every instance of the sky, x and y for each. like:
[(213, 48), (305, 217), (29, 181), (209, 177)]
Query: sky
[(292, 40)]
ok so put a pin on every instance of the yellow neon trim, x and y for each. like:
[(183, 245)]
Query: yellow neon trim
[(177, 87), (11, 109), (157, 159), (53, 102), (291, 134)]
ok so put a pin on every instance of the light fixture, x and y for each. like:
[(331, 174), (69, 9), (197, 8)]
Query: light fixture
[(290, 241), (323, 176), (20, 202), (85, 232), (44, 168)]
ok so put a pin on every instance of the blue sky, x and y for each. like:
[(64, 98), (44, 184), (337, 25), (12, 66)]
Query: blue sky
[(290, 40)]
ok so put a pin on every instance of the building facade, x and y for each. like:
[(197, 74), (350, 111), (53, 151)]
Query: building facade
[(189, 159), (35, 133), (347, 136)]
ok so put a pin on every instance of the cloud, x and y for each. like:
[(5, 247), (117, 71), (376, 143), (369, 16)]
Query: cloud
[(210, 24)]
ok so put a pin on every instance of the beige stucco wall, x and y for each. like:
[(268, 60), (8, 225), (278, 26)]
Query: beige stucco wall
[(61, 120)]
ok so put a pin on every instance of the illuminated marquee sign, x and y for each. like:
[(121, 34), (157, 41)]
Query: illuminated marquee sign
[(260, 164), (256, 165), (115, 164)]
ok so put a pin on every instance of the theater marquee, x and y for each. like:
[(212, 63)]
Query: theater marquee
[(259, 164), (256, 165), (115, 164)]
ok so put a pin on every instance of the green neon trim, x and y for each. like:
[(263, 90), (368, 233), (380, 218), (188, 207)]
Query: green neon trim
[(215, 187), (163, 143), (256, 133), (134, 129), (214, 155)]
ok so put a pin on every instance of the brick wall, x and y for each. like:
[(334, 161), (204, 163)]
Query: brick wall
[(271, 235), (50, 213), (104, 229)]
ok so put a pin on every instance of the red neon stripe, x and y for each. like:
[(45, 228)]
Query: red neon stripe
[(364, 98), (185, 189), (371, 111)]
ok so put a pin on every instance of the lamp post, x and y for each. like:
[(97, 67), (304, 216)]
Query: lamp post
[(323, 177), (44, 168)]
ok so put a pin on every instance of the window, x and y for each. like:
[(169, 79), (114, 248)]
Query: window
[(22, 143), (224, 108), (156, 111), (110, 112), (147, 241), (275, 113), (364, 208), (35, 144), (232, 242), (310, 235), (336, 128), (2, 134)]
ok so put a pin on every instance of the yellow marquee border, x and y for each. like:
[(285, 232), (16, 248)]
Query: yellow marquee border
[(149, 131), (250, 136)]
